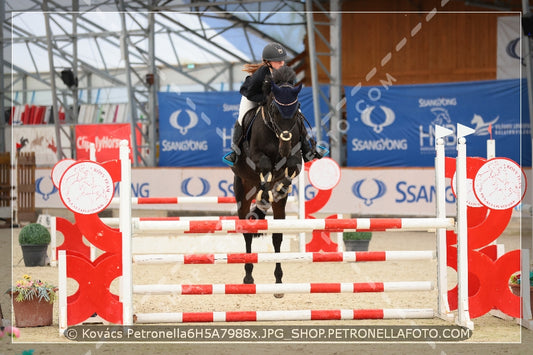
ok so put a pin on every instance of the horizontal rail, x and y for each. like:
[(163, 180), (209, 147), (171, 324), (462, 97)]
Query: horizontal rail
[(287, 226), (255, 258), (115, 202), (251, 289), (287, 315)]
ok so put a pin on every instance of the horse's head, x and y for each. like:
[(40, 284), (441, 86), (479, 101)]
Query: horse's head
[(285, 94), (285, 98)]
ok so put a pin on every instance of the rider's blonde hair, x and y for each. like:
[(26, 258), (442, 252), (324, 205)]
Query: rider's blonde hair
[(252, 68)]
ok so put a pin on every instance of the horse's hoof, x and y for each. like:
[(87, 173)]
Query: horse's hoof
[(248, 280), (279, 295)]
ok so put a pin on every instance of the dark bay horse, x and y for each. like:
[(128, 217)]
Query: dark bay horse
[(269, 159)]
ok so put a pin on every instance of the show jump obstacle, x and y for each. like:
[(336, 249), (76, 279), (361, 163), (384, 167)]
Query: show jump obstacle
[(86, 188)]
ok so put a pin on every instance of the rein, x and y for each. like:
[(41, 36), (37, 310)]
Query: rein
[(284, 135)]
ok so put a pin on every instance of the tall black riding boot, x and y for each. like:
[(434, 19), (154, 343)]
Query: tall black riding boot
[(231, 157)]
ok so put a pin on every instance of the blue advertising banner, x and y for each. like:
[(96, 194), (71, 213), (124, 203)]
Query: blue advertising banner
[(195, 129), (307, 108), (393, 126)]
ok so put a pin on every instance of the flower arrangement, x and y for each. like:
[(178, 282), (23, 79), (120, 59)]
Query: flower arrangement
[(28, 289), (515, 279)]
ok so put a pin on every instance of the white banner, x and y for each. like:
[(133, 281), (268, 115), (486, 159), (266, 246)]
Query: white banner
[(508, 49), (361, 192), (41, 140)]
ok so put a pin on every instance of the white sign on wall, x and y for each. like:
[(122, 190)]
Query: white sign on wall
[(363, 192)]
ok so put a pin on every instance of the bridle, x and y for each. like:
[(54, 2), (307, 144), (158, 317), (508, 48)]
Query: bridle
[(283, 135)]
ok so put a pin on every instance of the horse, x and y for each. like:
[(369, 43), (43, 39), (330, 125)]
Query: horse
[(270, 157)]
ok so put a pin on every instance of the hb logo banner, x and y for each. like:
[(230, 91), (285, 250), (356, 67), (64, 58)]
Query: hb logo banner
[(393, 125)]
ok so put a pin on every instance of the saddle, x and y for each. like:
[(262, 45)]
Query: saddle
[(248, 121)]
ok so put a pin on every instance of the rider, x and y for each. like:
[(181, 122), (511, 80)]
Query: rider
[(252, 95)]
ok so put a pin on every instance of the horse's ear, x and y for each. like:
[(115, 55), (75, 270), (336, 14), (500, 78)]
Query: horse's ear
[(297, 89), (275, 89)]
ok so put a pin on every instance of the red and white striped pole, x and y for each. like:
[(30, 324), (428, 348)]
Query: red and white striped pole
[(286, 315), (257, 258), (252, 289), (294, 226)]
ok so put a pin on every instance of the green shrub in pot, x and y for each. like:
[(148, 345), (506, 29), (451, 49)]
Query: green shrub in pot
[(357, 235), (34, 234)]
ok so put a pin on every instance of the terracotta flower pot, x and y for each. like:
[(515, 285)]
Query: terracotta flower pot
[(516, 291), (32, 313)]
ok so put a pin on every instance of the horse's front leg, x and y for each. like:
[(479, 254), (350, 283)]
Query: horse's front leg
[(264, 196), (277, 238), (243, 210), (278, 208), (248, 268)]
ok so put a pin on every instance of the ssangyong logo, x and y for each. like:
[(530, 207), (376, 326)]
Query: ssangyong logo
[(183, 128), (366, 118), (513, 50), (204, 189), (45, 187), (369, 200)]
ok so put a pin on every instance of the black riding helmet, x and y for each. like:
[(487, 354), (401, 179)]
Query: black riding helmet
[(274, 52)]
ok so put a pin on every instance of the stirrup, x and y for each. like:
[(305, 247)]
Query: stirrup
[(225, 159), (323, 151)]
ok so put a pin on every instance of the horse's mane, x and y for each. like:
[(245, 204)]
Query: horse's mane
[(284, 74)]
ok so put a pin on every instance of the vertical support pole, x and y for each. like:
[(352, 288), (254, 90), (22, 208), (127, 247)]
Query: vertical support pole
[(53, 241), (526, 229), (3, 89), (443, 309), (335, 40), (75, 14), (301, 204), (152, 88), (131, 94), (525, 293), (92, 151), (491, 149), (55, 107), (62, 297), (125, 228), (313, 67), (463, 315), (92, 157)]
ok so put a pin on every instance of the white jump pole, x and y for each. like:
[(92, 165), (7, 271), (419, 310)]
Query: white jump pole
[(92, 157), (125, 228), (301, 205), (463, 315), (53, 241), (443, 308), (62, 292), (527, 319)]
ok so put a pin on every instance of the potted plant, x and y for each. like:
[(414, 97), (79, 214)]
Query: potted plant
[(515, 281), (34, 239), (33, 302), (356, 241)]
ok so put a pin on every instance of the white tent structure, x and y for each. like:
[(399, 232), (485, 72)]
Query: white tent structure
[(126, 51), (118, 51)]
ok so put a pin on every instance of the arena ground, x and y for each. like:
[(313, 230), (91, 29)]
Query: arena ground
[(491, 334)]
